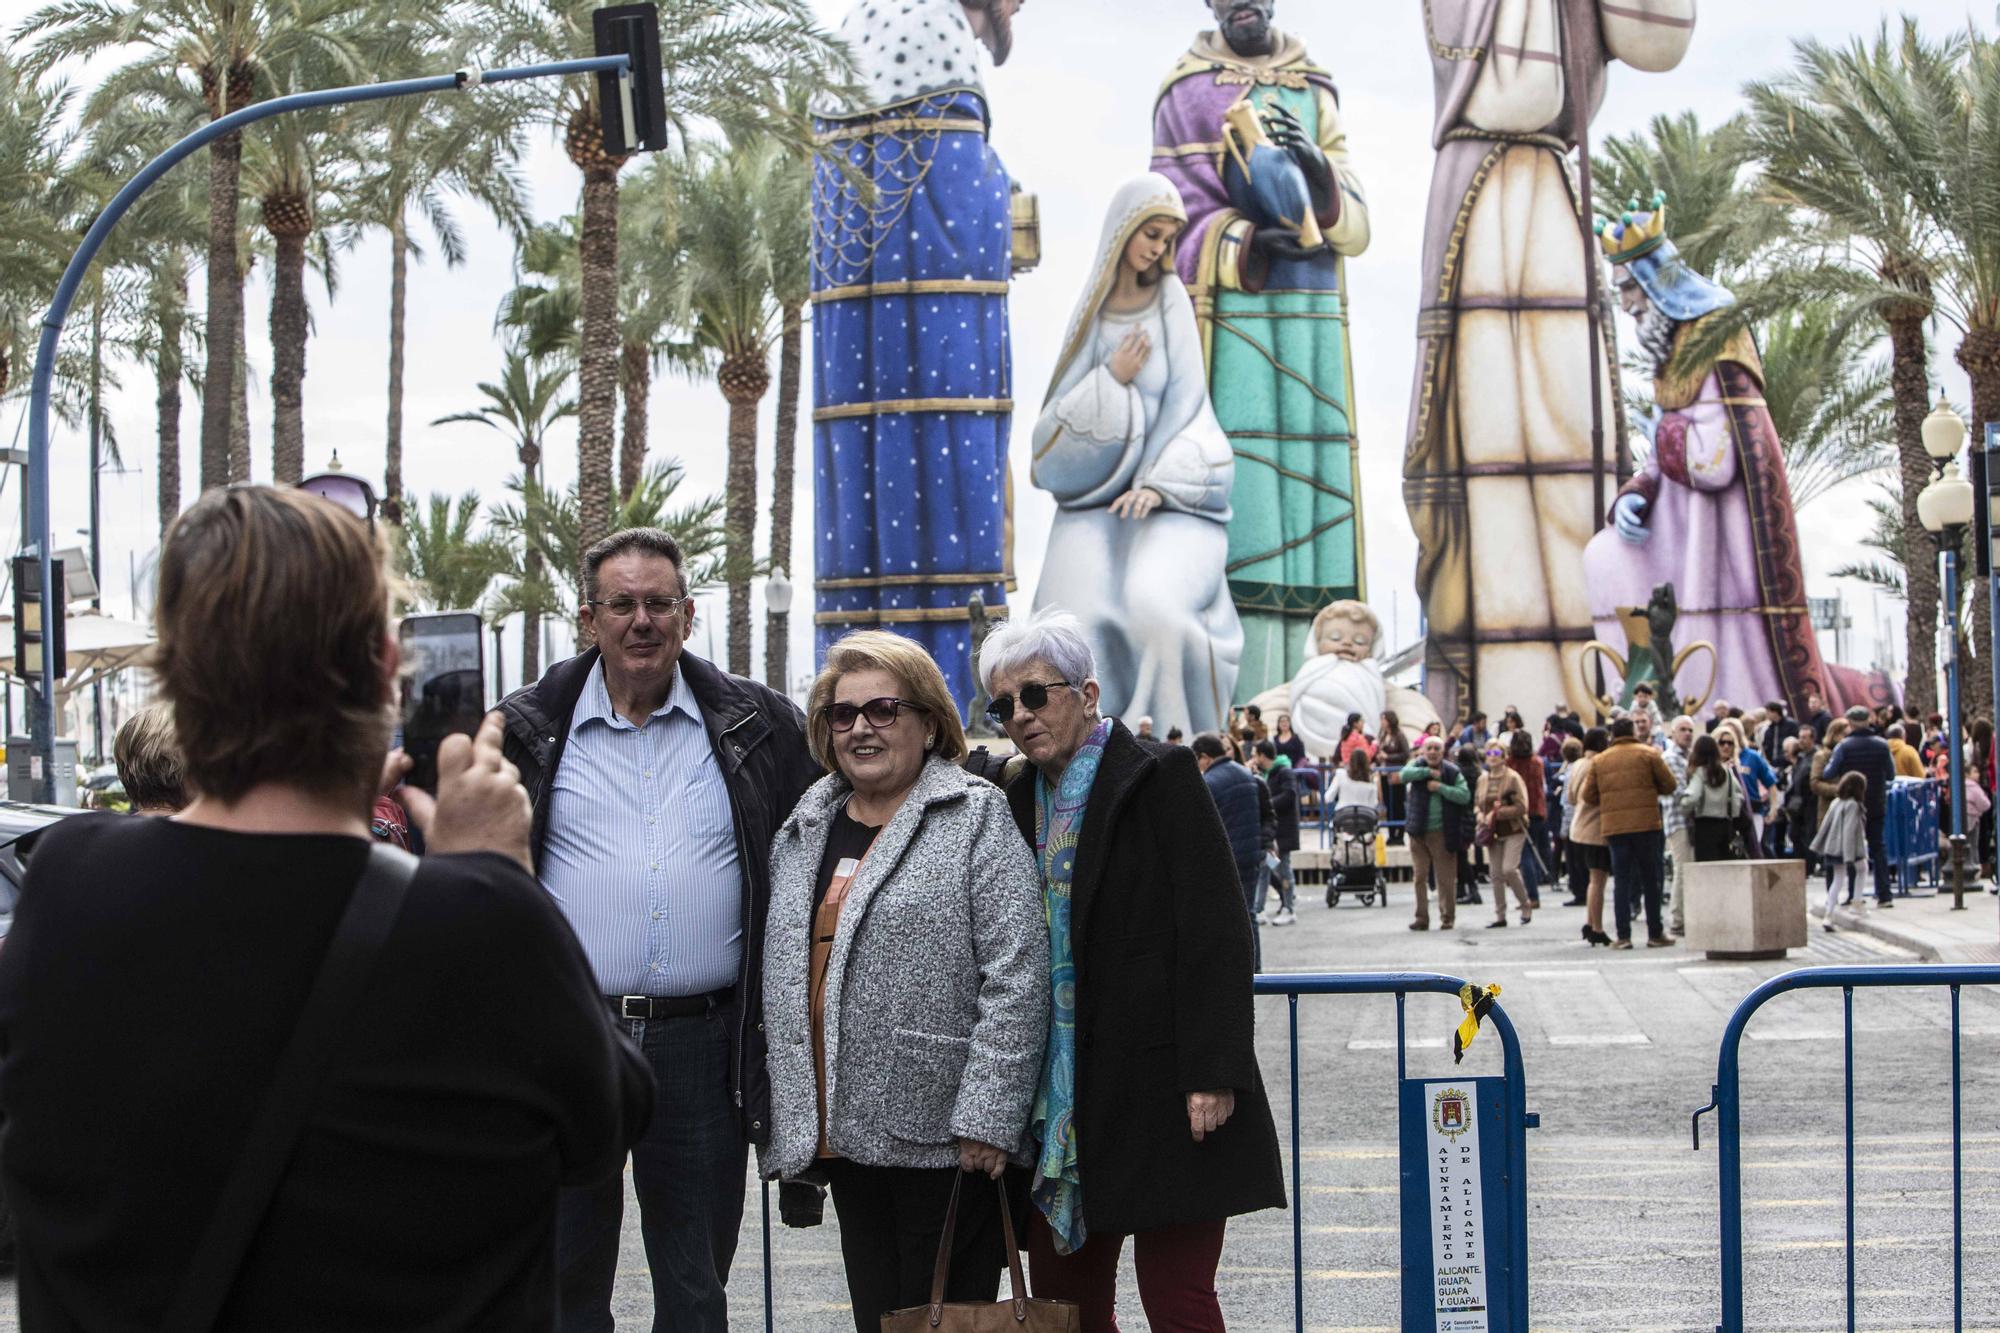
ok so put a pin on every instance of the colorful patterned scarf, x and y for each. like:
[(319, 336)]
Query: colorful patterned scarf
[(1058, 1189)]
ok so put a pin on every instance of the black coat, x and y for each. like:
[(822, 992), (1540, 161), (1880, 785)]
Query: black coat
[(1284, 785), (759, 740), (1164, 1006)]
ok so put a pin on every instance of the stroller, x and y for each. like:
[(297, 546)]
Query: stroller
[(1354, 870)]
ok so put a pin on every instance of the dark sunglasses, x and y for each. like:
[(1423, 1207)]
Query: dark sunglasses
[(879, 712), (1034, 698)]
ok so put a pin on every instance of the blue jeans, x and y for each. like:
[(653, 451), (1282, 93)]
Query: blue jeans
[(1635, 866), (688, 1172), (1878, 858)]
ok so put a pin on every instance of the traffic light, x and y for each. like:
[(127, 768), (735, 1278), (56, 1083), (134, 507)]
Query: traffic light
[(633, 105), (35, 633)]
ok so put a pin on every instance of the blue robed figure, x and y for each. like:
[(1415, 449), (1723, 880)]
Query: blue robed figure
[(913, 382)]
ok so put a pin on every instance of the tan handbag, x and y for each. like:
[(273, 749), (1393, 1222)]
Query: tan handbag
[(1019, 1315)]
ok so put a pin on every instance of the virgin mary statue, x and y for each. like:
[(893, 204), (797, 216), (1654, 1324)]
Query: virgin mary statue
[(1129, 446)]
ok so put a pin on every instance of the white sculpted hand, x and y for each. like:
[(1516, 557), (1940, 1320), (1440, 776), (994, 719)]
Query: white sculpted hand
[(1209, 1111), (1629, 517), (1136, 503), (1131, 356)]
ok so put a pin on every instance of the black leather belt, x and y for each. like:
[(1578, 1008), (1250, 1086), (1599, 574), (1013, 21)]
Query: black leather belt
[(669, 1006)]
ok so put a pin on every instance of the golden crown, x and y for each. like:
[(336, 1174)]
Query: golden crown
[(1634, 234)]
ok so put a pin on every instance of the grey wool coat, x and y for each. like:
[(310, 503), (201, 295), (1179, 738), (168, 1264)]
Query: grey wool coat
[(937, 989)]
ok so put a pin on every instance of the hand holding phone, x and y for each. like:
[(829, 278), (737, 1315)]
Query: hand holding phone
[(480, 805), (444, 687)]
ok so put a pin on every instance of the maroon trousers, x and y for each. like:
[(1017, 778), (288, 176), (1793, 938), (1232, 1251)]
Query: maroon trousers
[(1176, 1275)]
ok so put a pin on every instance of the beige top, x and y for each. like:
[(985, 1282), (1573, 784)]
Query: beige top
[(1588, 825)]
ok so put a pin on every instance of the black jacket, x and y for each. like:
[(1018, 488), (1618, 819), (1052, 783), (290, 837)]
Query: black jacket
[(1284, 786), (1867, 753), (1245, 806), (1164, 1005), (759, 739)]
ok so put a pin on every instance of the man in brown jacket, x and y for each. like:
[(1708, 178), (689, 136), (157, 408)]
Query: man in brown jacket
[(1626, 783)]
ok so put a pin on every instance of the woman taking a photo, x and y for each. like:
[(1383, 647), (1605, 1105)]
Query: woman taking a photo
[(1713, 801), (906, 980), (1502, 805), (1150, 1119)]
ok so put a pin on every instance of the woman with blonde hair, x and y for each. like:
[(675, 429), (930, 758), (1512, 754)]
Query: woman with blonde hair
[(906, 981)]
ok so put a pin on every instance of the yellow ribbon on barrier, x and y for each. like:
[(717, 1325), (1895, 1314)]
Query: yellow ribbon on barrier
[(1477, 1002)]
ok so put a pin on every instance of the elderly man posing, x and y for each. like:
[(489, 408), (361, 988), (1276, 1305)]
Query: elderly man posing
[(1626, 783), (1674, 820), (658, 782)]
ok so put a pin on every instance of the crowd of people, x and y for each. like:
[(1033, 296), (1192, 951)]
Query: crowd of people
[(1622, 809), (658, 915)]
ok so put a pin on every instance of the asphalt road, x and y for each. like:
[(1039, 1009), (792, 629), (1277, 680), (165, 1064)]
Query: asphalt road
[(1619, 1049)]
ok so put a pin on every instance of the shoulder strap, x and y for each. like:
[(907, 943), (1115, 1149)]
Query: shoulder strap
[(350, 958)]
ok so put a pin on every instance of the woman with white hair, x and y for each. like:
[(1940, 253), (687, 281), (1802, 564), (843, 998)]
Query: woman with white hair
[(1150, 1120)]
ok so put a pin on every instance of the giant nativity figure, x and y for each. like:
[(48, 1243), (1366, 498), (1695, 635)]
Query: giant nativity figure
[(1129, 446), (1500, 471), (1710, 515), (913, 383), (1249, 130)]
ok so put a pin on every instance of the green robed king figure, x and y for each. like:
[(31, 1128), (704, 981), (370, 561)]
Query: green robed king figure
[(1249, 130)]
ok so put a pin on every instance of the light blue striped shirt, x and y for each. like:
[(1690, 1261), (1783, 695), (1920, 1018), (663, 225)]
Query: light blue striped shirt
[(641, 848)]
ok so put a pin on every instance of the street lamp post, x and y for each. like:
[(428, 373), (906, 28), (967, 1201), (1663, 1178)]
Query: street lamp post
[(1945, 507), (777, 631)]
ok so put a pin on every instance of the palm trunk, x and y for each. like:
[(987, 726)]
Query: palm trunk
[(225, 310), (532, 568), (171, 300), (399, 290), (638, 384), (597, 368), (1910, 386), (777, 626), (288, 361), (1979, 354), (239, 414), (744, 381)]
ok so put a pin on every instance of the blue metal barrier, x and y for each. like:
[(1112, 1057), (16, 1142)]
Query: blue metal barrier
[(1725, 1101), (1516, 1118), (1514, 1172)]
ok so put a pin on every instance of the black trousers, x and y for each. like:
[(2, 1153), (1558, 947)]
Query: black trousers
[(891, 1218)]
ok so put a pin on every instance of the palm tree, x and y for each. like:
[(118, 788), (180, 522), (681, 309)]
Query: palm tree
[(218, 51), (420, 152), (722, 205), (1719, 225), (524, 405), (722, 58), (449, 566), (287, 180), (789, 224), (35, 214), (1828, 397), (1848, 138), (551, 526)]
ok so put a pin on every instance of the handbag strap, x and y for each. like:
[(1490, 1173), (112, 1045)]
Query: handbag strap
[(1016, 1279), (371, 913)]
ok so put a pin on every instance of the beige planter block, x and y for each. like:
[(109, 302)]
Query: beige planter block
[(1746, 909)]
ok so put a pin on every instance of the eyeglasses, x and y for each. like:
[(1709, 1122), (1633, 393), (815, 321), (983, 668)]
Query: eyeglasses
[(623, 608), (879, 712), (1034, 698)]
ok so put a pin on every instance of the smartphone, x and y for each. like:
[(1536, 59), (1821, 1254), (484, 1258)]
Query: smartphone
[(444, 686)]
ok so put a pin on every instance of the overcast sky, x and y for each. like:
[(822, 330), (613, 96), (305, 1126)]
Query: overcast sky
[(1072, 119)]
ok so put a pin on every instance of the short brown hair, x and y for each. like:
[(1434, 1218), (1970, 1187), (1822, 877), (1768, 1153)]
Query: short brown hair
[(646, 541), (272, 619), (148, 756), (906, 660)]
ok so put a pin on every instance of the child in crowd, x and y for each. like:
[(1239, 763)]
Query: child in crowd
[(1842, 840)]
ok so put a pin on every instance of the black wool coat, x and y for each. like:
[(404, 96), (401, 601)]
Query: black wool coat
[(1164, 1004)]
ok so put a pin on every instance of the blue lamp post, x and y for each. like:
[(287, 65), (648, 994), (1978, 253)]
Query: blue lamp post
[(1945, 508)]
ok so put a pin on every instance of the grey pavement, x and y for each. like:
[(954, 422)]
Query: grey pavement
[(1925, 923), (1619, 1048)]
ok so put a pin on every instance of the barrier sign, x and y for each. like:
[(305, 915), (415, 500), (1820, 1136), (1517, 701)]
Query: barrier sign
[(1458, 1247)]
